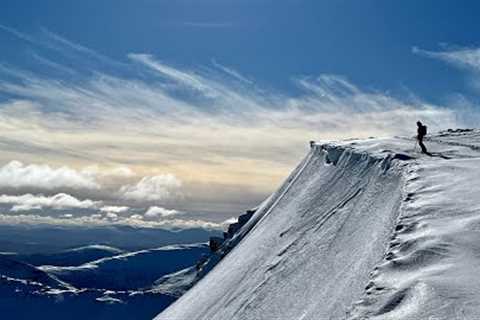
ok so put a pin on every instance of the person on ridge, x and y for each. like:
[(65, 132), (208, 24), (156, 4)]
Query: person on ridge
[(421, 133)]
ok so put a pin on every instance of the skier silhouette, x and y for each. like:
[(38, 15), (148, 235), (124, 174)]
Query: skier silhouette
[(421, 132)]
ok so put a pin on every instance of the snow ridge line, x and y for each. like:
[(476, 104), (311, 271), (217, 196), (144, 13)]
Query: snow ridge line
[(334, 153), (403, 298), (361, 309), (452, 143), (326, 168), (440, 141), (407, 167)]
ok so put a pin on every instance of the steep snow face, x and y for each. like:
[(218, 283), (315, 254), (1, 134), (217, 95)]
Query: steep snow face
[(312, 245), (364, 229)]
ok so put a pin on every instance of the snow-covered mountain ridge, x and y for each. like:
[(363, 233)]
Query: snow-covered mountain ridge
[(131, 270), (119, 285), (360, 229)]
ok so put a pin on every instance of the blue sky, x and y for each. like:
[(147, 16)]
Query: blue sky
[(370, 42), (185, 113)]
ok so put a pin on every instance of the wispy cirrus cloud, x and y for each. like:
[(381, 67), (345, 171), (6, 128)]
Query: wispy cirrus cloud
[(54, 42), (187, 79), (209, 24), (467, 58), (223, 131), (227, 139), (232, 72), (20, 35)]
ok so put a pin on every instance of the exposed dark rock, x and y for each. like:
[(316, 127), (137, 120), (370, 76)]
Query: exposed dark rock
[(215, 243)]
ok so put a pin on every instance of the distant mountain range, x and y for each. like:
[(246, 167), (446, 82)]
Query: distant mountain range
[(93, 281), (30, 239)]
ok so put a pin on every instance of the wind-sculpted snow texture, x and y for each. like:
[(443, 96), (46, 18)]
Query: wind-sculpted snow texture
[(310, 253), (431, 268), (364, 229)]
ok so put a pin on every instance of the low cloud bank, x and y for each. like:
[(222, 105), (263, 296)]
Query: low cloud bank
[(28, 202), (159, 212), (17, 175), (106, 220), (155, 188)]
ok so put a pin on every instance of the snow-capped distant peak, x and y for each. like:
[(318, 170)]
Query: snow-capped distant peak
[(96, 247)]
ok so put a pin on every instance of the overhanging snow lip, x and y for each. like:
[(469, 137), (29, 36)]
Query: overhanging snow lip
[(341, 155), (339, 148)]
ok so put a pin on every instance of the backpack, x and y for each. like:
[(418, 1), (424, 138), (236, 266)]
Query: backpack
[(422, 130)]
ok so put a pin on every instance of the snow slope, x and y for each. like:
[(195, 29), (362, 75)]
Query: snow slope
[(28, 274), (361, 229)]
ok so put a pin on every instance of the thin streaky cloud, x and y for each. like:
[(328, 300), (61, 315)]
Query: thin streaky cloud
[(68, 43), (235, 74), (187, 78), (75, 47), (237, 145), (468, 58), (208, 24), (173, 132), (53, 41), (53, 65), (30, 39), (20, 35)]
